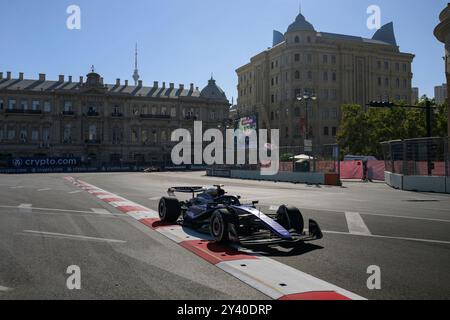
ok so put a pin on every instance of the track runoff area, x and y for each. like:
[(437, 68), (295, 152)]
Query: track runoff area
[(274, 279)]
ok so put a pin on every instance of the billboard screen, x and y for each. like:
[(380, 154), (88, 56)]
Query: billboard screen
[(247, 125)]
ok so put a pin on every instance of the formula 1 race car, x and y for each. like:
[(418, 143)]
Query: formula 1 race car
[(212, 211)]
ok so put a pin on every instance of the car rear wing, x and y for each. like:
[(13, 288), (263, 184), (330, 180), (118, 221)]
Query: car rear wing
[(194, 189)]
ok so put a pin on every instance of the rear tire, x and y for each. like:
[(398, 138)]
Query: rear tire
[(169, 210), (290, 218), (220, 225)]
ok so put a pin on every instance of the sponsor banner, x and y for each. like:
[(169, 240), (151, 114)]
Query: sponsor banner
[(44, 162)]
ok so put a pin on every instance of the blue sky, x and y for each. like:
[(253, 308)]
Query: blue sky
[(184, 41)]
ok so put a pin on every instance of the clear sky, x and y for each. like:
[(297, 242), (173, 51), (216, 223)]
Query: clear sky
[(185, 41)]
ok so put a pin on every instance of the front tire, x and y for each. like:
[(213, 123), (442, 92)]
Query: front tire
[(220, 226), (169, 210), (290, 218)]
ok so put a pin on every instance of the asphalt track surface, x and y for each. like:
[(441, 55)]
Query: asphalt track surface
[(47, 224)]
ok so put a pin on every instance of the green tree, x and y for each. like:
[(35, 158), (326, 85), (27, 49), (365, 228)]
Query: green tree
[(362, 130)]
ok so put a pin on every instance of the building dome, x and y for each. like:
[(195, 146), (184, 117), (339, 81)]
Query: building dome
[(213, 91), (300, 24)]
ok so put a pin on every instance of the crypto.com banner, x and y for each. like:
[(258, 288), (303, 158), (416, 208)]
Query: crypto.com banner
[(44, 162)]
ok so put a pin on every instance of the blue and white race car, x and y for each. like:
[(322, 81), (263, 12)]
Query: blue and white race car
[(212, 211)]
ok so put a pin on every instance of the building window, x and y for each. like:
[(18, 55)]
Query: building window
[(386, 65), (308, 39), (271, 116), (333, 113), (272, 65), (24, 104), (35, 105), (23, 135), (297, 75), (310, 75), (325, 131), (325, 76), (325, 59), (297, 39), (309, 58), (397, 67), (379, 64), (47, 106), (11, 133), (1, 104), (46, 134), (297, 57), (404, 67), (287, 132), (405, 83), (397, 83), (272, 82), (272, 98), (333, 94), (333, 59), (386, 82), (144, 135), (67, 134), (334, 77), (68, 106), (325, 94), (334, 131), (134, 136), (173, 112), (379, 81)]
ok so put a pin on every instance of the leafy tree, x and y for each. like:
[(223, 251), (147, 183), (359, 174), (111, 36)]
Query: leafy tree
[(362, 130)]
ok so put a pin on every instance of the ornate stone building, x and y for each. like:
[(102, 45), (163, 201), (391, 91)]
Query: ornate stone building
[(100, 123), (338, 69), (442, 33)]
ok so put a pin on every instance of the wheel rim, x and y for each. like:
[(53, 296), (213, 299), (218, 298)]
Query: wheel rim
[(162, 209), (216, 226)]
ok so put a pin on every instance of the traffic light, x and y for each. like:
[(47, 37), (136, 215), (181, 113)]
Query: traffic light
[(381, 104)]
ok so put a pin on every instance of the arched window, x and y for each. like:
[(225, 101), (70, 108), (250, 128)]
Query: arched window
[(297, 39)]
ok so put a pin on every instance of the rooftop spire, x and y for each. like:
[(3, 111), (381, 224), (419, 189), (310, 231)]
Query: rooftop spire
[(136, 76)]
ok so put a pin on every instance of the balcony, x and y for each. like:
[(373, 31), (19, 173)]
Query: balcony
[(117, 115), (68, 113), (21, 111), (92, 113), (191, 117), (92, 142), (155, 116)]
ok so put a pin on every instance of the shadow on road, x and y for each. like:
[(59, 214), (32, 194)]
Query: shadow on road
[(279, 251)]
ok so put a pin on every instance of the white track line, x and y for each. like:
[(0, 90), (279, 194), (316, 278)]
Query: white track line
[(387, 237), (100, 211), (71, 236), (4, 289), (73, 192), (356, 224), (45, 189), (57, 210)]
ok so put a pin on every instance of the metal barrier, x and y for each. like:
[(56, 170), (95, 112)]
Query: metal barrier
[(418, 157)]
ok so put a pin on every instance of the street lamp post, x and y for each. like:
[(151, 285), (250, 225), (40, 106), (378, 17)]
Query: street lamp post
[(307, 97)]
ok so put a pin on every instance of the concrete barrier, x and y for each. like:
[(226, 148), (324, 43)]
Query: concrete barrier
[(447, 184), (424, 183), (394, 180), (418, 183), (296, 177)]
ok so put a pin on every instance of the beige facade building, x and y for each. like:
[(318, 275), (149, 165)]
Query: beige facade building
[(442, 33), (337, 69), (440, 93), (100, 123)]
